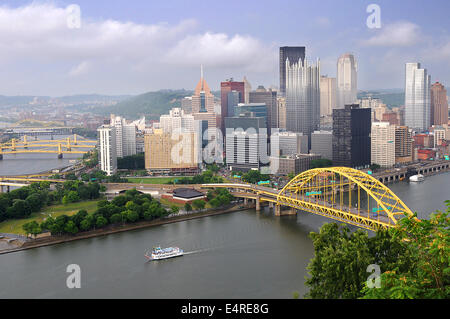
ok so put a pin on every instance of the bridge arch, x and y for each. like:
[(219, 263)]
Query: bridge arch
[(332, 180)]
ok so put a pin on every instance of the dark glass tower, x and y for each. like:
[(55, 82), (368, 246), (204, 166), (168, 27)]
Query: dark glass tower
[(351, 136), (294, 54)]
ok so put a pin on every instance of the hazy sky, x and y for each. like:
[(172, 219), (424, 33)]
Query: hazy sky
[(131, 47)]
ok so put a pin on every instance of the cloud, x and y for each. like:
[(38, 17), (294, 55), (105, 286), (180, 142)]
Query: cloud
[(221, 50), (398, 34), (121, 53), (80, 69)]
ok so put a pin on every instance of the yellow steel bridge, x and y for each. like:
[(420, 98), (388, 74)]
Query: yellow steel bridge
[(63, 146), (340, 193)]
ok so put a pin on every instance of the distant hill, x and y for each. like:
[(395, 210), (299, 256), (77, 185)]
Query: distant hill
[(85, 98), (150, 104), (16, 100)]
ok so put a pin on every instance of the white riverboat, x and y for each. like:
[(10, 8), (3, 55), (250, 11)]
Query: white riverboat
[(416, 178), (159, 253)]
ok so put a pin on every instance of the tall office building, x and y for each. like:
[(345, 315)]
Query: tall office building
[(439, 104), (351, 136), (203, 99), (322, 144), (177, 121), (247, 89), (107, 153), (327, 95), (417, 97), (403, 144), (233, 101), (346, 80), (302, 97), (281, 104), (291, 143), (226, 87), (166, 153), (383, 144), (269, 98), (125, 136), (293, 54), (246, 142), (186, 104)]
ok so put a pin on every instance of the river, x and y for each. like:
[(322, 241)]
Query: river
[(246, 254)]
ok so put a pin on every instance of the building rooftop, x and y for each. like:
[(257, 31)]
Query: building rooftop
[(187, 193)]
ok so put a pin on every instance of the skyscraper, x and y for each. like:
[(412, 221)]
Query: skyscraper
[(281, 106), (327, 95), (383, 144), (403, 144), (439, 104), (246, 142), (351, 136), (125, 136), (346, 80), (417, 97), (233, 101), (293, 54), (225, 88), (107, 153), (203, 99), (177, 121), (247, 88), (302, 97), (269, 97)]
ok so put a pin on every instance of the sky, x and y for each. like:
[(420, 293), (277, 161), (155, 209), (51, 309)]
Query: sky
[(136, 46)]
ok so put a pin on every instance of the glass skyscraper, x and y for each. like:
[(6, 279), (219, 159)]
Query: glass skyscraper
[(346, 80), (302, 97), (417, 97)]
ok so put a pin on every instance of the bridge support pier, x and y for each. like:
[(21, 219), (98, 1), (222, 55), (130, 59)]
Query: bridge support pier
[(246, 201), (258, 204), (277, 210), (270, 205)]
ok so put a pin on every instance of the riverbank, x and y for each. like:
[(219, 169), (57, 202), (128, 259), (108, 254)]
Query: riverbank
[(112, 229)]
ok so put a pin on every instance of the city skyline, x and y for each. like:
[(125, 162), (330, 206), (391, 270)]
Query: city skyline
[(99, 59)]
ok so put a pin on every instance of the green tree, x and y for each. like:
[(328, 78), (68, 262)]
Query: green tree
[(174, 209), (101, 222), (132, 216), (338, 268), (70, 227), (32, 228), (86, 223), (116, 218), (427, 242), (73, 197), (198, 204), (187, 207)]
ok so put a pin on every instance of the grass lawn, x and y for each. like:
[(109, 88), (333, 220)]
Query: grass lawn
[(168, 203), (154, 180), (14, 226)]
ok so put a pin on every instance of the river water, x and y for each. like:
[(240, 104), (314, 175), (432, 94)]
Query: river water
[(245, 254)]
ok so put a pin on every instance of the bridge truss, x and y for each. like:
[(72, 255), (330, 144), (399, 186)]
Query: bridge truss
[(344, 194), (62, 146)]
